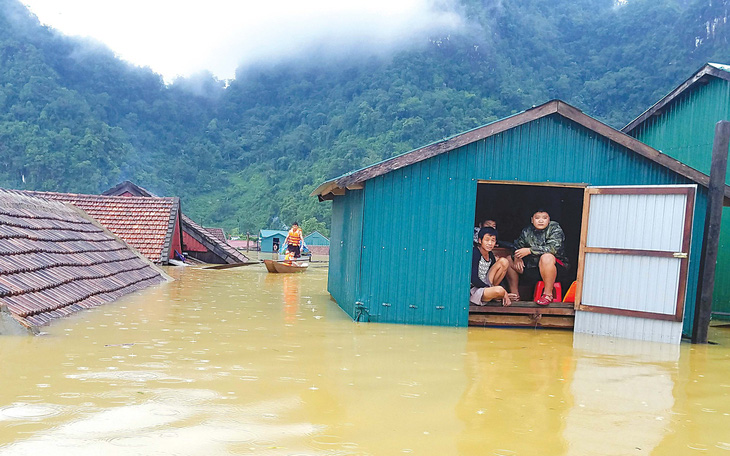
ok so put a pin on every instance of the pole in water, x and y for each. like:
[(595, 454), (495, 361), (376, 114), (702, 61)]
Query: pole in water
[(713, 217)]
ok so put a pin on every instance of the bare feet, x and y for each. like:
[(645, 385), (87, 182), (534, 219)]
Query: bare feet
[(506, 299)]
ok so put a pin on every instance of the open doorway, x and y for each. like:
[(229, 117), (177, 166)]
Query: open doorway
[(512, 204)]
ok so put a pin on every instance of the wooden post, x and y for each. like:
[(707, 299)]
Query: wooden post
[(708, 261), (248, 235)]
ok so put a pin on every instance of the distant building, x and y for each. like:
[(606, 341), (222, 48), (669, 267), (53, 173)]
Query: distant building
[(197, 242), (152, 225), (56, 260), (317, 243), (272, 241)]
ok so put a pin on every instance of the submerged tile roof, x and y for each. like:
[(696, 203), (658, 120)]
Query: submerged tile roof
[(56, 260), (145, 223), (213, 239), (217, 233), (220, 248)]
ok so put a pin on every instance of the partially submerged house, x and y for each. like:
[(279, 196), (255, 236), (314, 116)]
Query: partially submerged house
[(317, 243), (204, 244), (55, 260), (150, 225), (682, 125), (402, 229), (272, 241)]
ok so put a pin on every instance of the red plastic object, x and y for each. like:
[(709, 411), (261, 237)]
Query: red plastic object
[(570, 294), (557, 291)]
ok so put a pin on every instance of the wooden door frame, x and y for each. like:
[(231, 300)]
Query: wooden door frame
[(690, 193)]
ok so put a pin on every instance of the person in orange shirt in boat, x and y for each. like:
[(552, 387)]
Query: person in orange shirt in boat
[(289, 257), (294, 240)]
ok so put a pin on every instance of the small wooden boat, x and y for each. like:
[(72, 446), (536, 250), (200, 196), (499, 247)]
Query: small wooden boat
[(282, 267)]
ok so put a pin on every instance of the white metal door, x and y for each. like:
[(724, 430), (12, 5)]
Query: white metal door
[(633, 262)]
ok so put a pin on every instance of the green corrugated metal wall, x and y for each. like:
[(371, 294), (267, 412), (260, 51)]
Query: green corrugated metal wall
[(686, 132), (417, 222), (343, 281)]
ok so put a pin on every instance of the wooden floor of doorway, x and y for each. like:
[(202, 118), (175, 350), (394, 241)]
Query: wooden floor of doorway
[(523, 313)]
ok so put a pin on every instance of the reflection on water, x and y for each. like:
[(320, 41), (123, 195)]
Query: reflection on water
[(239, 361)]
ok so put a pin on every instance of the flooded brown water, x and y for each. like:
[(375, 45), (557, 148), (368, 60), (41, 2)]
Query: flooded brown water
[(239, 361)]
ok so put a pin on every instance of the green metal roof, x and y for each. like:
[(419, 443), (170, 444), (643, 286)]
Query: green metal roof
[(269, 233), (709, 70), (356, 179)]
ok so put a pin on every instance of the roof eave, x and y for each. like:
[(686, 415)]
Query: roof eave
[(708, 70)]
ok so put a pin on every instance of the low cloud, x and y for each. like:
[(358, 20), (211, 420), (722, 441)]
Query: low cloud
[(183, 38)]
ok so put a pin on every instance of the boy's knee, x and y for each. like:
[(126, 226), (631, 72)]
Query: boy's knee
[(547, 259), (504, 262)]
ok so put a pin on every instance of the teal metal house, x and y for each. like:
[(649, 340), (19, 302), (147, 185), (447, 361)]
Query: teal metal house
[(402, 229), (272, 241), (316, 239), (682, 125)]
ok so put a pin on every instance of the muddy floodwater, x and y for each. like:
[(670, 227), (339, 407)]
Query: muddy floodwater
[(239, 361)]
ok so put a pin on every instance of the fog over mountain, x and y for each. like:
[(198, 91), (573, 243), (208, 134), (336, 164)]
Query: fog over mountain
[(182, 38), (322, 95)]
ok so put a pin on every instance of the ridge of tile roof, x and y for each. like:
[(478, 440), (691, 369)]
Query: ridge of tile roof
[(220, 248), (218, 233), (145, 223), (56, 260), (212, 240)]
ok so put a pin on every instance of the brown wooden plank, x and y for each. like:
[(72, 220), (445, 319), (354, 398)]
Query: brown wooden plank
[(686, 245), (546, 321), (639, 190), (535, 184), (582, 246), (629, 313), (561, 310), (711, 241), (639, 252)]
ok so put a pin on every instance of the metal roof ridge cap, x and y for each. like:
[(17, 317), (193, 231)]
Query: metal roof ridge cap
[(706, 69), (454, 142)]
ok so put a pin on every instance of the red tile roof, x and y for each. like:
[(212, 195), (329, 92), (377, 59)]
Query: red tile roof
[(217, 233), (220, 248), (209, 238), (145, 223), (56, 260)]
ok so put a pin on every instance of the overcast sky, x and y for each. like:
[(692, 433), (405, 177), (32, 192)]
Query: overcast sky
[(176, 37)]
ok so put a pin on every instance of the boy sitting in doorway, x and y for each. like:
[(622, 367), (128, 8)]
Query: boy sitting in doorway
[(487, 271), (540, 254)]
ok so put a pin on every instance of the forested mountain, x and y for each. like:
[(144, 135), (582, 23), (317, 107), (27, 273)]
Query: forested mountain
[(245, 153)]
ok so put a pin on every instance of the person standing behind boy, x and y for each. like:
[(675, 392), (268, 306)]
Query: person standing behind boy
[(294, 240), (487, 271), (540, 253)]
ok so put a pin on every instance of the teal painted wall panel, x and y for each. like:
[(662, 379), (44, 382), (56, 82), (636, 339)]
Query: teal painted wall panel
[(317, 239), (343, 282), (686, 131), (418, 221)]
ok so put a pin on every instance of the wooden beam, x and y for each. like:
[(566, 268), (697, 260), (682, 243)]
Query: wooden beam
[(708, 261), (338, 191), (356, 186)]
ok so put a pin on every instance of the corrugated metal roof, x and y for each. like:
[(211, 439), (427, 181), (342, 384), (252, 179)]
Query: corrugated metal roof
[(720, 66), (269, 233), (355, 180), (143, 222), (709, 70), (55, 260)]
